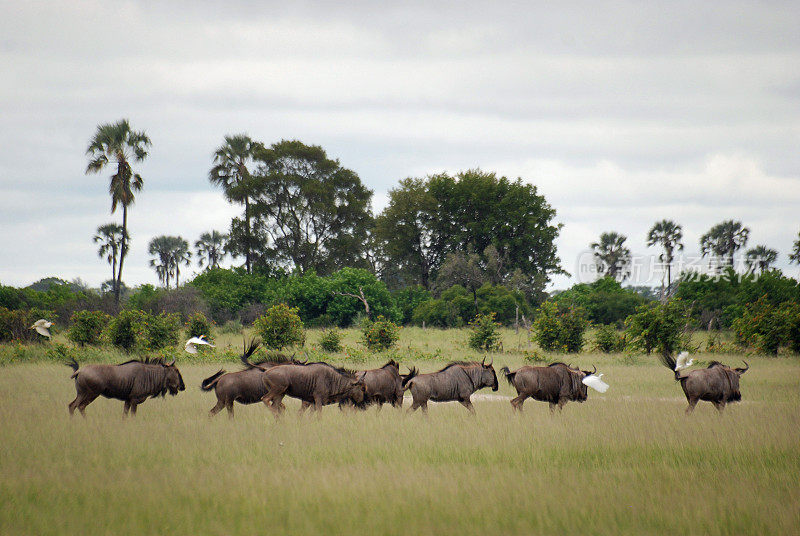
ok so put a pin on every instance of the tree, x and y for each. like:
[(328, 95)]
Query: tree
[(723, 240), (161, 248), (315, 212), (462, 269), (210, 249), (230, 171), (427, 219), (795, 255), (669, 234), (170, 252), (110, 238), (116, 143), (612, 257), (760, 258)]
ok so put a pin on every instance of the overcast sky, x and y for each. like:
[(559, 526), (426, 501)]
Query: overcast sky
[(621, 114)]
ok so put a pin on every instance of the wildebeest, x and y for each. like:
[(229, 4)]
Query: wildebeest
[(718, 384), (456, 381), (132, 382), (313, 383), (385, 384), (244, 386), (557, 384)]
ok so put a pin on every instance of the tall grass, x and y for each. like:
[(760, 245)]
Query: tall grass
[(625, 462)]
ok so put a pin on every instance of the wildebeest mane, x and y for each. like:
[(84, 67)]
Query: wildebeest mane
[(145, 361), (341, 370), (391, 363), (715, 364), (458, 363)]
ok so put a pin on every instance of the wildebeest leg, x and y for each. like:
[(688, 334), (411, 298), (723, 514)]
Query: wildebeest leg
[(125, 408), (229, 407), (304, 406), (74, 404), (85, 402), (720, 406), (135, 403), (318, 405), (552, 408), (692, 404), (216, 409), (467, 403), (273, 400), (516, 403), (561, 404)]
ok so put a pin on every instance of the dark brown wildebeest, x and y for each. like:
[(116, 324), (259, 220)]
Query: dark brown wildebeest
[(316, 384), (244, 386), (385, 384), (557, 384), (456, 381), (718, 384), (132, 382)]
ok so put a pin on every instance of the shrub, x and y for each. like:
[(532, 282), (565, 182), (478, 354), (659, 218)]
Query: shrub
[(232, 326), (484, 334), (125, 329), (658, 327), (331, 340), (87, 327), (280, 327), (767, 327), (608, 340), (559, 328), (161, 330), (532, 356), (199, 325), (381, 334), (15, 324)]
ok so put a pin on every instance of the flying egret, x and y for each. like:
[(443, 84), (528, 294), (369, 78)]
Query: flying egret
[(191, 344), (41, 326), (683, 361), (596, 383)]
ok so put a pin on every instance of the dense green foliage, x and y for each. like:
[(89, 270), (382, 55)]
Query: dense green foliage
[(137, 330), (198, 325), (484, 334), (559, 327), (280, 327), (15, 325), (767, 327), (86, 327), (605, 301), (658, 327), (381, 334), (331, 340), (456, 306), (607, 339)]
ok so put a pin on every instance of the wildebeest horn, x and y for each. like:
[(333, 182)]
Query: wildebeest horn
[(483, 361), (746, 365), (171, 364), (595, 369), (491, 362)]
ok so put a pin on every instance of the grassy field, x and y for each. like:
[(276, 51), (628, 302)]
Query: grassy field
[(628, 461)]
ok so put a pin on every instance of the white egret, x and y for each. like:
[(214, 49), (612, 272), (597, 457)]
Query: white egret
[(595, 382), (41, 326), (191, 344), (683, 361)]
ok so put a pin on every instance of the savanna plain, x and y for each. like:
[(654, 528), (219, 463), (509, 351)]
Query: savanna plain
[(625, 462)]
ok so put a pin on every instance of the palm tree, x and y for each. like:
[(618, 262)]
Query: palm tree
[(669, 234), (724, 239), (210, 249), (231, 173), (612, 257), (161, 248), (116, 143), (795, 255), (180, 254), (760, 258), (110, 238)]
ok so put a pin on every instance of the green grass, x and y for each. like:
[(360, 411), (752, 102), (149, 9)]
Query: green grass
[(625, 462)]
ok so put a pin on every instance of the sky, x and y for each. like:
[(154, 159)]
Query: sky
[(621, 113)]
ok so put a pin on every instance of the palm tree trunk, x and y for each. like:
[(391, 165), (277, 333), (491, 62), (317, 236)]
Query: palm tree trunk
[(177, 277), (247, 234), (123, 251), (114, 270)]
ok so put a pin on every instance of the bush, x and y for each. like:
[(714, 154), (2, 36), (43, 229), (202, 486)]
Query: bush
[(767, 327), (604, 301), (280, 327), (331, 340), (658, 327), (559, 328), (199, 325), (484, 334), (15, 325), (87, 327), (125, 329), (532, 356), (408, 299), (161, 331), (608, 340), (381, 334)]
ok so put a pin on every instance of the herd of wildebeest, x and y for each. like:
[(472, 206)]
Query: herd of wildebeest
[(318, 384)]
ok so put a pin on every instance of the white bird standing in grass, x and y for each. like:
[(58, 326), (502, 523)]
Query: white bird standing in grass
[(41, 326), (683, 361), (595, 382), (191, 344)]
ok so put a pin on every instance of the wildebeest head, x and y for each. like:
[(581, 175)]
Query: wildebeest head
[(356, 391), (173, 379), (488, 375)]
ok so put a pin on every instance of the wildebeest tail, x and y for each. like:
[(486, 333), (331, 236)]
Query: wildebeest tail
[(405, 378), (509, 375), (73, 364), (211, 381), (249, 350), (668, 361)]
